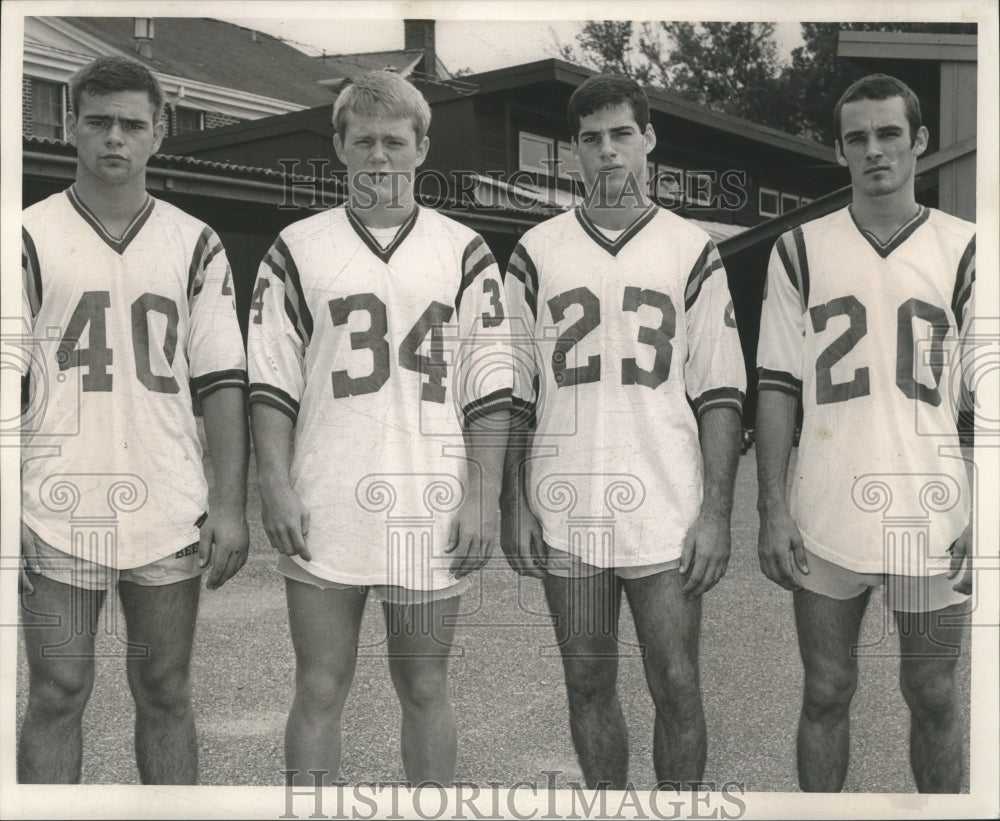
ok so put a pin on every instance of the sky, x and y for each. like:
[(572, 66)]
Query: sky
[(477, 45)]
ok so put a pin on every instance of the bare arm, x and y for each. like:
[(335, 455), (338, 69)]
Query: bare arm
[(225, 539), (779, 540), (286, 521), (521, 533), (705, 555), (476, 526)]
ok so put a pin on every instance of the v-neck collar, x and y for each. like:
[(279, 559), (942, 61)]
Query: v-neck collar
[(117, 244), (384, 254), (883, 249), (613, 246)]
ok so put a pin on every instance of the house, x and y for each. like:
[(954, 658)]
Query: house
[(213, 73)]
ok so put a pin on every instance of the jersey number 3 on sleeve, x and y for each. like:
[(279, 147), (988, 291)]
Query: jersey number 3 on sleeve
[(828, 391), (97, 357), (657, 338)]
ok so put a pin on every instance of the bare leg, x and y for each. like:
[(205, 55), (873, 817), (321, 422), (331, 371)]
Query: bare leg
[(929, 651), (162, 620), (420, 641), (324, 625), (828, 631), (586, 624), (59, 624), (667, 624)]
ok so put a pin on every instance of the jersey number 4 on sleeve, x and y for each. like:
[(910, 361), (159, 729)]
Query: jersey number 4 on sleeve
[(97, 357), (828, 391), (657, 338)]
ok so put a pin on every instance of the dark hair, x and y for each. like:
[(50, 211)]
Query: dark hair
[(605, 91), (880, 87), (106, 75)]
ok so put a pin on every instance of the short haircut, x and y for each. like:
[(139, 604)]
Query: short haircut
[(880, 87), (106, 75), (606, 91), (386, 95)]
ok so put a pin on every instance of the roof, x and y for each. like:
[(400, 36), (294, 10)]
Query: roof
[(897, 45), (219, 53), (404, 61), (665, 102)]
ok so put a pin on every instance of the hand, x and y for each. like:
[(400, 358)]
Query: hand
[(779, 543), (705, 554), (286, 520), (29, 561), (224, 543), (521, 539), (474, 531), (961, 552)]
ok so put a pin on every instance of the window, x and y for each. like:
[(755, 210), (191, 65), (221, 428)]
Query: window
[(669, 185), (47, 109), (768, 201), (699, 188), (187, 120), (789, 202), (569, 166), (535, 153)]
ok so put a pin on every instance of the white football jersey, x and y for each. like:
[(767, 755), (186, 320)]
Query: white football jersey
[(868, 334), (381, 356), (623, 343), (122, 330)]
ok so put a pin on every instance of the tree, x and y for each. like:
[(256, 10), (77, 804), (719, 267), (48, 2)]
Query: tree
[(730, 67), (734, 67)]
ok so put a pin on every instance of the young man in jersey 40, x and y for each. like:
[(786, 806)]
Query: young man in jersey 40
[(130, 303), (863, 321), (616, 483), (379, 412)]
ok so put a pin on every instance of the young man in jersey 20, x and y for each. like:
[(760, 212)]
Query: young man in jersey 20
[(863, 320), (130, 301), (379, 413), (631, 379)]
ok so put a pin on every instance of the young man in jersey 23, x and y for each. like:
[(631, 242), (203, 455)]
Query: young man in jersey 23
[(863, 320), (380, 413), (625, 484), (130, 301)]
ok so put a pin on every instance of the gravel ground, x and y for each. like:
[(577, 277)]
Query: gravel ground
[(507, 685)]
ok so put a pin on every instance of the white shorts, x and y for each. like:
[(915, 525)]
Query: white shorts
[(569, 566), (390, 593), (905, 594), (72, 570)]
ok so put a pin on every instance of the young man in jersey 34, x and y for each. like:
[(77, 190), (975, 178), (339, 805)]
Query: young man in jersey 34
[(863, 319), (379, 416), (130, 300), (625, 486)]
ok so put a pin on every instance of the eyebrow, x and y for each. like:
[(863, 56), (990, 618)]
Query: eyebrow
[(115, 117), (618, 129)]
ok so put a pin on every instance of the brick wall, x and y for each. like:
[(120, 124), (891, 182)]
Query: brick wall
[(26, 106), (215, 120)]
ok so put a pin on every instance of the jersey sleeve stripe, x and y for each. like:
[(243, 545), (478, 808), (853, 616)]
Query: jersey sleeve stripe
[(778, 381), (523, 269), (476, 259), (803, 267), (31, 272), (719, 398), (708, 262), (279, 260), (496, 401), (964, 280), (196, 271), (275, 397), (211, 382)]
